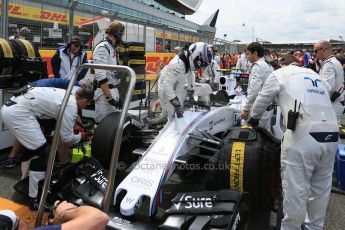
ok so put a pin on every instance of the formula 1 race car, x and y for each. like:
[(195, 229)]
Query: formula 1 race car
[(215, 173)]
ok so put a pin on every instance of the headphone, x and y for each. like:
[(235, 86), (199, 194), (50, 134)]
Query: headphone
[(119, 33), (118, 36)]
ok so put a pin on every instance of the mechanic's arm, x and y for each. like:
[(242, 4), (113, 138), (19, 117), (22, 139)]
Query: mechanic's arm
[(328, 75), (270, 90), (56, 63), (190, 80), (66, 131), (254, 87), (82, 217)]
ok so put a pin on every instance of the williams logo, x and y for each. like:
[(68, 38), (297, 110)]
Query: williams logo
[(314, 82)]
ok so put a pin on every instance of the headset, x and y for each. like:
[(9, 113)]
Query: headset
[(118, 34)]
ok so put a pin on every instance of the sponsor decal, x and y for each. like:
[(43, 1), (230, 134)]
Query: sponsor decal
[(143, 182), (137, 123), (189, 202), (99, 178), (219, 121), (121, 221), (38, 14), (317, 91), (210, 125), (313, 81), (236, 166), (236, 222)]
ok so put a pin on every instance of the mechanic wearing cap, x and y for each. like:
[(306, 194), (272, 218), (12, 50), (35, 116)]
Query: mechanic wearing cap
[(332, 72), (20, 115), (106, 52), (178, 73), (67, 216), (309, 144), (258, 73), (68, 58)]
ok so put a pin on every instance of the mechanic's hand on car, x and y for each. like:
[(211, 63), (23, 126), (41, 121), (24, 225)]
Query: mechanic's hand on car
[(116, 104), (177, 106), (190, 94), (244, 115), (253, 122), (77, 129)]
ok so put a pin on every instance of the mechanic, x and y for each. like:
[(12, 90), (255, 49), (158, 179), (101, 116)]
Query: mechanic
[(67, 58), (259, 71), (309, 143), (332, 72), (67, 217), (178, 73), (20, 115), (107, 95), (46, 124), (243, 63), (201, 90)]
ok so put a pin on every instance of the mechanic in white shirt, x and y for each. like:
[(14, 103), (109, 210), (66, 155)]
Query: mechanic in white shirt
[(243, 63), (309, 144), (20, 115), (259, 71), (107, 95), (333, 73)]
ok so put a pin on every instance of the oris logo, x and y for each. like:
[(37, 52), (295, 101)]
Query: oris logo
[(190, 202), (142, 181)]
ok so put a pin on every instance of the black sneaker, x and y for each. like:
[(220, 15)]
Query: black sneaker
[(11, 162), (33, 204)]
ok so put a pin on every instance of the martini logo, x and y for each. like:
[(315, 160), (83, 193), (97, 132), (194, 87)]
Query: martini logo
[(189, 202)]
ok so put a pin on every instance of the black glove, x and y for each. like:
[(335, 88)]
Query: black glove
[(253, 122), (177, 106), (116, 104), (190, 94)]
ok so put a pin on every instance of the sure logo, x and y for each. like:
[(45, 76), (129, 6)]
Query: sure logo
[(190, 202)]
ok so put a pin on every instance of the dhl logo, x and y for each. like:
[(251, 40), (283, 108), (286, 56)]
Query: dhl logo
[(154, 63), (36, 14)]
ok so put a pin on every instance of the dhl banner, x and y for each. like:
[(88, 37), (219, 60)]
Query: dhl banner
[(154, 61), (38, 14), (175, 36)]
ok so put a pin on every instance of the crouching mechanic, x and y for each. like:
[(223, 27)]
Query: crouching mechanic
[(309, 143), (106, 94), (178, 73), (20, 115)]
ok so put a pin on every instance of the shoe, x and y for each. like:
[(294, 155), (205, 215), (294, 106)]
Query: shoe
[(33, 205), (11, 162)]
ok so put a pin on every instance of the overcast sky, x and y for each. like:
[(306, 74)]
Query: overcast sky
[(275, 20)]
